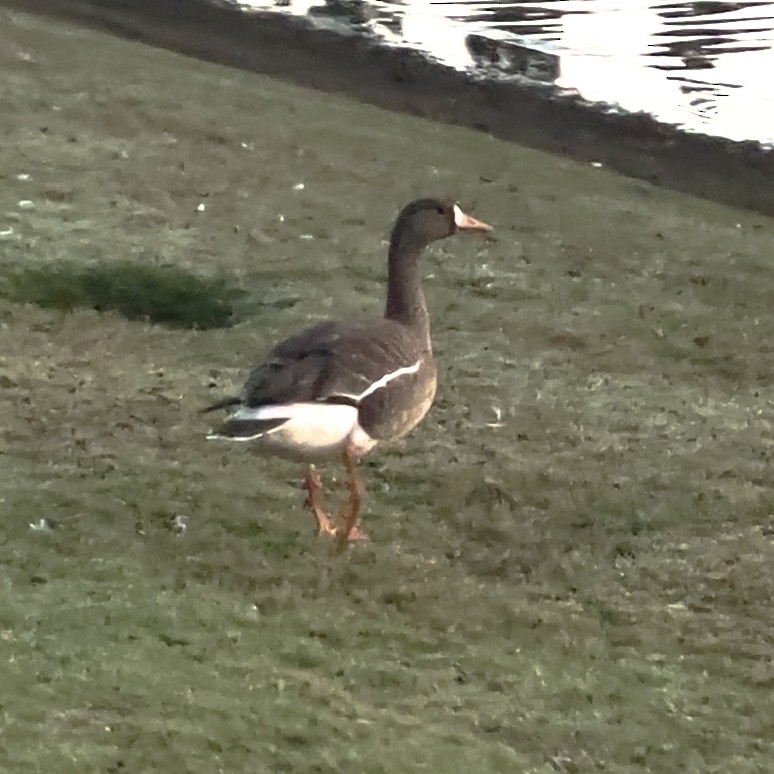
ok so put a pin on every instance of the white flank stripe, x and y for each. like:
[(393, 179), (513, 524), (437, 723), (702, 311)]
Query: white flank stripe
[(384, 381), (387, 378)]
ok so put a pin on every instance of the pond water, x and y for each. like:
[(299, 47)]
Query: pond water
[(705, 67)]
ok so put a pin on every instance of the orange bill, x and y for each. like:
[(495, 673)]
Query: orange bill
[(466, 222)]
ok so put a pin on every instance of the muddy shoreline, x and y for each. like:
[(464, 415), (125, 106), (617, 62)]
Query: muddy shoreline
[(739, 174)]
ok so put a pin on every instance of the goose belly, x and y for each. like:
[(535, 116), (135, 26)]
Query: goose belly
[(394, 411)]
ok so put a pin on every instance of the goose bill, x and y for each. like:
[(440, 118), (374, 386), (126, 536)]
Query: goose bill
[(465, 222)]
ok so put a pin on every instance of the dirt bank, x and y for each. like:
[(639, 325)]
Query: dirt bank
[(741, 174)]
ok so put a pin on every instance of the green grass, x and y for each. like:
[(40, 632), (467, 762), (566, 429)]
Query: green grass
[(164, 294), (570, 564)]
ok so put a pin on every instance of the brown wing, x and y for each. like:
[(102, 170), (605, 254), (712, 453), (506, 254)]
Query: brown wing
[(331, 361)]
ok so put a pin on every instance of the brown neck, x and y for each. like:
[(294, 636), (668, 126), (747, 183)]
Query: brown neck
[(405, 299)]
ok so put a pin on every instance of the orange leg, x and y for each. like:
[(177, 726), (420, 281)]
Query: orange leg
[(348, 531), (313, 486)]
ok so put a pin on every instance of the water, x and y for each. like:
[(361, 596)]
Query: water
[(703, 66)]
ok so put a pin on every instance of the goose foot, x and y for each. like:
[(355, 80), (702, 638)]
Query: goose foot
[(348, 531), (313, 486)]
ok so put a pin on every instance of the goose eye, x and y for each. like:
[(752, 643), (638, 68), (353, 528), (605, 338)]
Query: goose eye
[(439, 209)]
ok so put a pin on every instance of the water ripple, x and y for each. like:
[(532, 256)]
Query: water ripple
[(702, 66)]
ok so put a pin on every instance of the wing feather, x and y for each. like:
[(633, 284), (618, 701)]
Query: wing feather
[(332, 361)]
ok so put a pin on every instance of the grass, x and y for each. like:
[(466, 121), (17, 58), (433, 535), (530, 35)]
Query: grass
[(570, 559), (165, 294)]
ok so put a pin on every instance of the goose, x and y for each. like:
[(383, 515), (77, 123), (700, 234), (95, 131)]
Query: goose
[(339, 388)]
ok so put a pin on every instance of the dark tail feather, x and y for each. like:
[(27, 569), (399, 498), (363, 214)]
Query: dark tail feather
[(245, 429), (221, 404)]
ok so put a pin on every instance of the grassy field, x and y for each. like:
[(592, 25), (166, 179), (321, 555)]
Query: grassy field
[(571, 560)]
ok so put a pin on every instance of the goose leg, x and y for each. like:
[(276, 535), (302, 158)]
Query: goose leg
[(313, 486), (348, 531)]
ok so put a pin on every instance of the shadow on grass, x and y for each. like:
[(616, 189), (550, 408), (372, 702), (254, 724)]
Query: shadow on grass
[(160, 294)]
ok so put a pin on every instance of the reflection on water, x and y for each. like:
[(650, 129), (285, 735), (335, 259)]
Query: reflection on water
[(705, 66)]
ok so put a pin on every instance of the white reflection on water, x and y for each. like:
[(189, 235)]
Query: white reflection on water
[(705, 66)]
